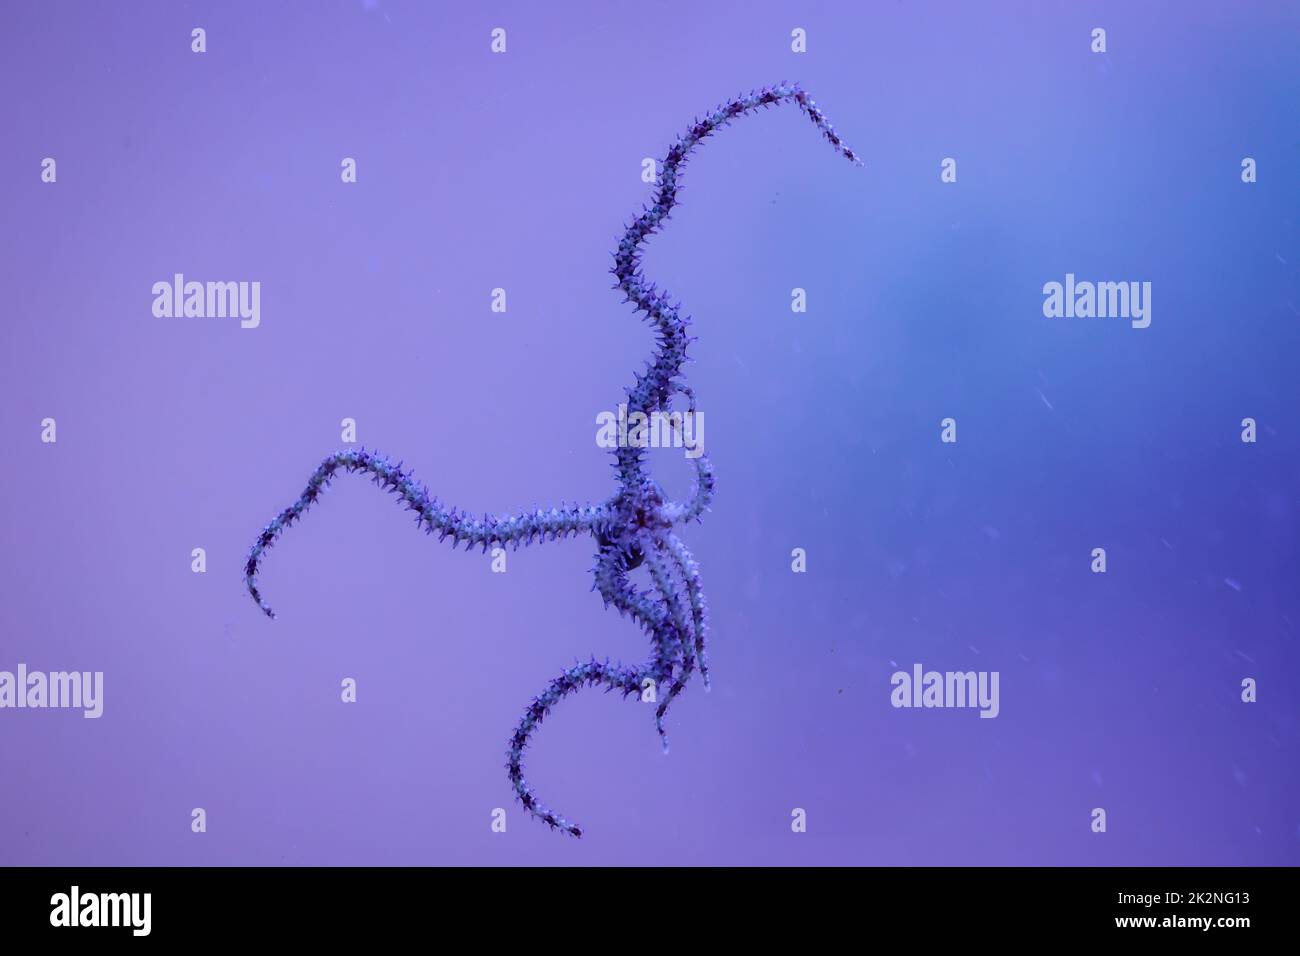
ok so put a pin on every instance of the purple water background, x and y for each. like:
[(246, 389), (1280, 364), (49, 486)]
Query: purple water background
[(479, 171)]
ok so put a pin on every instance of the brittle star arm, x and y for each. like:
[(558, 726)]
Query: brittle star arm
[(690, 575), (668, 584), (617, 590), (488, 531), (693, 508), (612, 676), (666, 622), (652, 390)]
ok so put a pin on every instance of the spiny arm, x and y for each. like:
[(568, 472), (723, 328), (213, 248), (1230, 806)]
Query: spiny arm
[(683, 644), (612, 676), (526, 527), (694, 507), (690, 573), (651, 390)]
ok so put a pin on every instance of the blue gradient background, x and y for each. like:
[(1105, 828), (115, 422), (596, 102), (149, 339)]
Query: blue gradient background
[(1118, 690)]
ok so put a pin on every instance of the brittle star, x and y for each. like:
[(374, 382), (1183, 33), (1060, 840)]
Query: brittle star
[(633, 526)]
